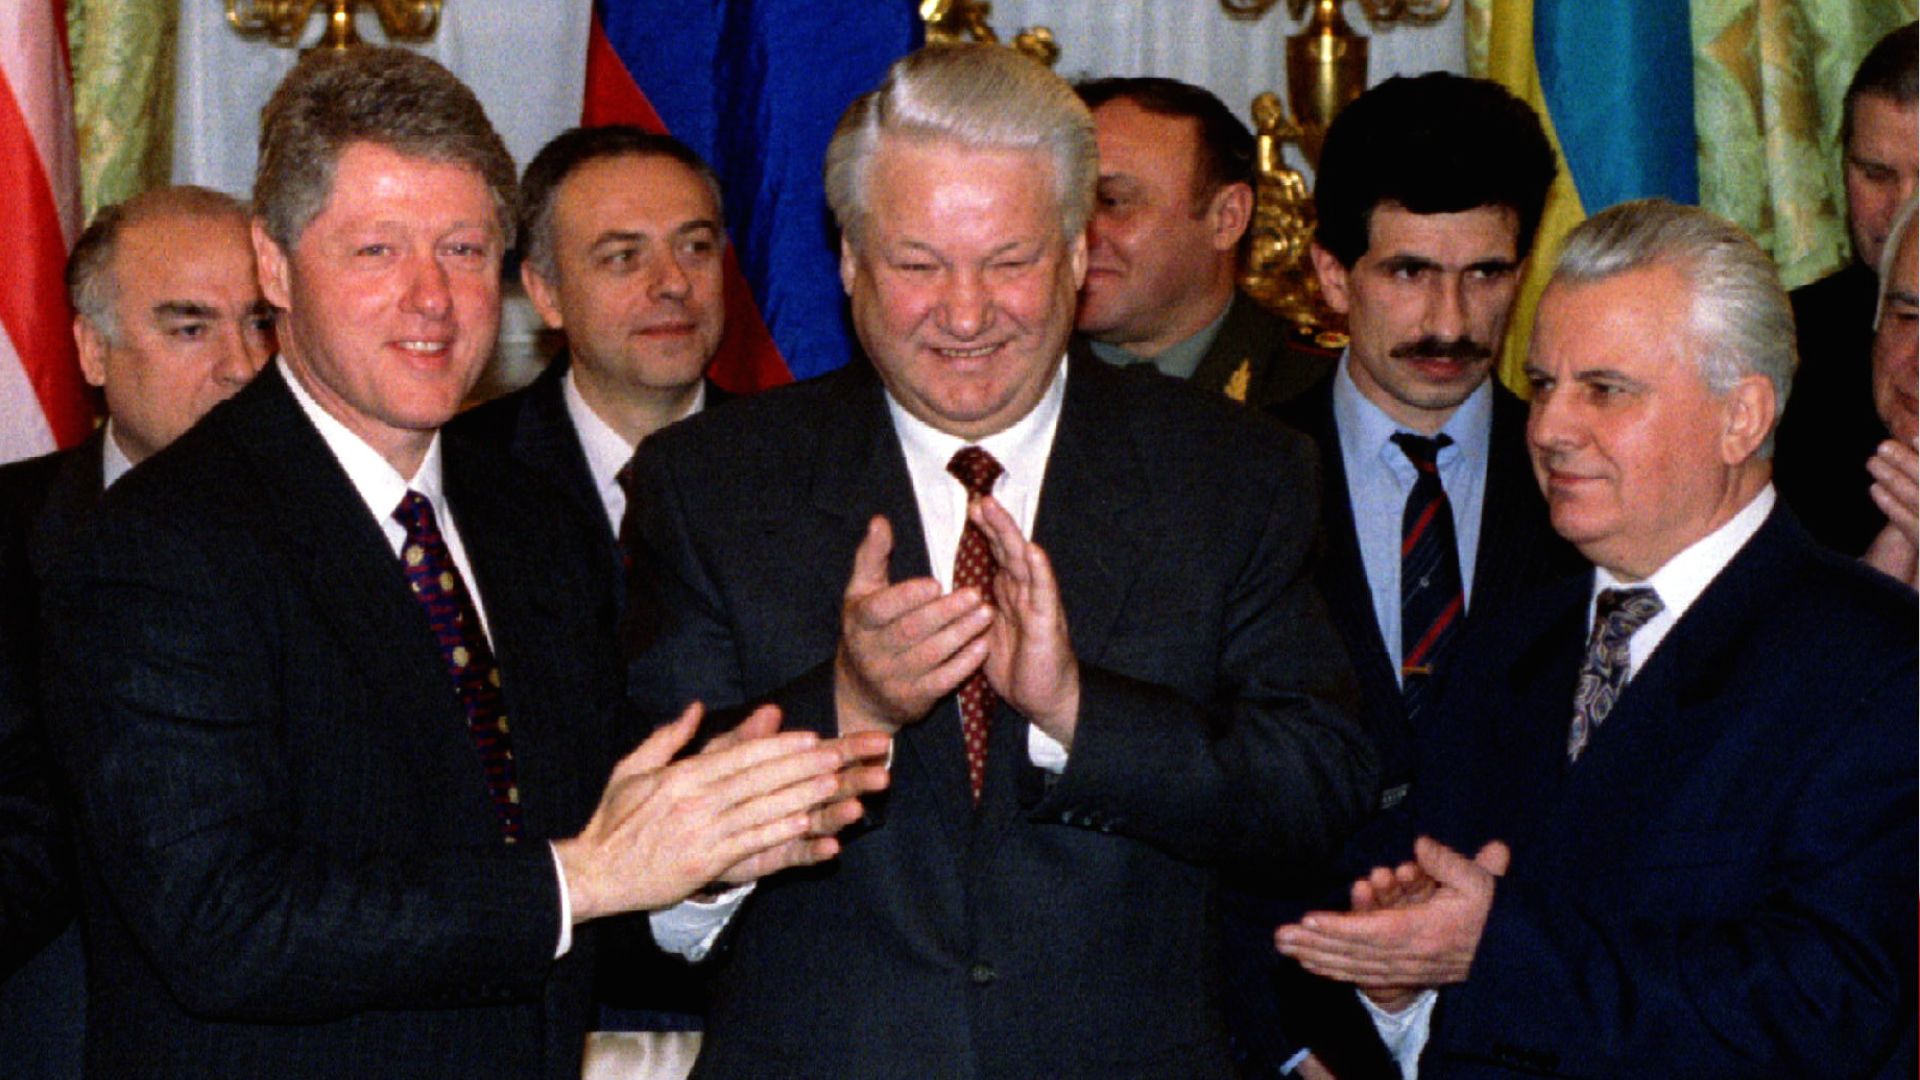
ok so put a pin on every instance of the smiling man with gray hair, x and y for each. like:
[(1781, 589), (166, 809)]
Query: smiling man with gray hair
[(1687, 778), (1077, 600)]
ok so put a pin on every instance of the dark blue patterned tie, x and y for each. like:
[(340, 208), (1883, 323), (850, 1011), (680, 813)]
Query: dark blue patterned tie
[(456, 625), (1617, 614), (1431, 598)]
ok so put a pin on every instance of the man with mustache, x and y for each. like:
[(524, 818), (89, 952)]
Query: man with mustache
[(1666, 813), (1428, 194)]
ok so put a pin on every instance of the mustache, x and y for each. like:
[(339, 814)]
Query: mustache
[(1436, 348)]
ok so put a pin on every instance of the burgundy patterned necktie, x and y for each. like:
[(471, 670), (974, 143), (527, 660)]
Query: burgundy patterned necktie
[(1617, 614), (1431, 597), (456, 625), (973, 565)]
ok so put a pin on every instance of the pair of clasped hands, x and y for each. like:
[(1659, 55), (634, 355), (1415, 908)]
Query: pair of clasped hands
[(757, 800)]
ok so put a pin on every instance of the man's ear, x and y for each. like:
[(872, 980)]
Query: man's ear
[(1333, 277), (848, 265), (1229, 214), (93, 350), (545, 300), (271, 264), (1750, 409)]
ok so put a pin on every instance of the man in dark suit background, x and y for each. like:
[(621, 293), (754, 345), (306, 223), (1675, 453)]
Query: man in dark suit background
[(1692, 772), (1425, 263), (169, 321), (1833, 431), (336, 719), (1170, 216), (623, 242), (1107, 670)]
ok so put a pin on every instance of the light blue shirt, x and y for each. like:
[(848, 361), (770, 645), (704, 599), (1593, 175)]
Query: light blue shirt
[(1379, 478)]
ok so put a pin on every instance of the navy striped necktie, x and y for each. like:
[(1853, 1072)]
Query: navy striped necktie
[(1432, 601)]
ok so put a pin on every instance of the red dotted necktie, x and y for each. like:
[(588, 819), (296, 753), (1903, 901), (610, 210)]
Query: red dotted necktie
[(973, 566), (463, 643)]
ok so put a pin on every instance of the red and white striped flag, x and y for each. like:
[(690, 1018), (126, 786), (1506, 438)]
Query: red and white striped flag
[(43, 400)]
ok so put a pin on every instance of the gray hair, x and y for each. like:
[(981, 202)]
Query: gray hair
[(1741, 320), (979, 96), (91, 287), (385, 96), (1902, 221)]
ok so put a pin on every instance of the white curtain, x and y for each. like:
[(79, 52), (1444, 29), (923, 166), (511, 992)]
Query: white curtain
[(525, 60)]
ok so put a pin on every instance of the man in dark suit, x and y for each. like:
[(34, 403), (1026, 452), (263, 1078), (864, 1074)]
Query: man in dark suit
[(623, 243), (1170, 216), (336, 721), (1833, 431), (1425, 263), (1034, 895), (169, 321), (1688, 779)]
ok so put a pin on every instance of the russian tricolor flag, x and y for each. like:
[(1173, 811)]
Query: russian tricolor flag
[(755, 87)]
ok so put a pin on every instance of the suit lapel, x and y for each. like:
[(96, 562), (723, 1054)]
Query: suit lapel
[(859, 472), (71, 498), (1091, 519), (1514, 535), (1344, 579), (545, 440), (1659, 726), (346, 570)]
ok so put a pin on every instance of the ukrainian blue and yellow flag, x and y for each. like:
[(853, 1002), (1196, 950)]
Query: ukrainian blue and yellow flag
[(1733, 105)]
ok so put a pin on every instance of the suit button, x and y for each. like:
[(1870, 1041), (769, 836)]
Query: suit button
[(982, 974)]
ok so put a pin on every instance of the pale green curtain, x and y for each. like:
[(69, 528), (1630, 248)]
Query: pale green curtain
[(122, 95), (1768, 80)]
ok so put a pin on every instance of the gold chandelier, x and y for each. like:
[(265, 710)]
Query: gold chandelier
[(285, 21)]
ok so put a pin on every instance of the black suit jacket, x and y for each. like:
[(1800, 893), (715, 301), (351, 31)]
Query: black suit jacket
[(1830, 427), (1276, 1008), (1065, 928), (533, 426), (1723, 884), (293, 867), (1257, 358), (43, 502)]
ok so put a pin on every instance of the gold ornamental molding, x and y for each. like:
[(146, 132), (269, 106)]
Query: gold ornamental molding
[(966, 20)]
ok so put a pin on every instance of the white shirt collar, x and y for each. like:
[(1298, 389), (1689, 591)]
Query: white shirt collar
[(114, 462), (1021, 450), (378, 483), (1685, 576), (607, 450)]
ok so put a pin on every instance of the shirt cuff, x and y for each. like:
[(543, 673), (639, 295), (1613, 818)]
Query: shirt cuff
[(566, 906), (690, 927), (1045, 751), (1294, 1061), (1404, 1032)]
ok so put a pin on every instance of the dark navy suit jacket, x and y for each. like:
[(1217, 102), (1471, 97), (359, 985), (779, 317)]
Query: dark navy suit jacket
[(1723, 884)]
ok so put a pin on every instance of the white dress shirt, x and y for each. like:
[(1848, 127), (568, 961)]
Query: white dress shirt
[(607, 450), (1679, 582), (381, 487), (114, 462), (1380, 477)]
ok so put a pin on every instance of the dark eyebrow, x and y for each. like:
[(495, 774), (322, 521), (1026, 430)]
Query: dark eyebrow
[(1409, 262), (184, 309)]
